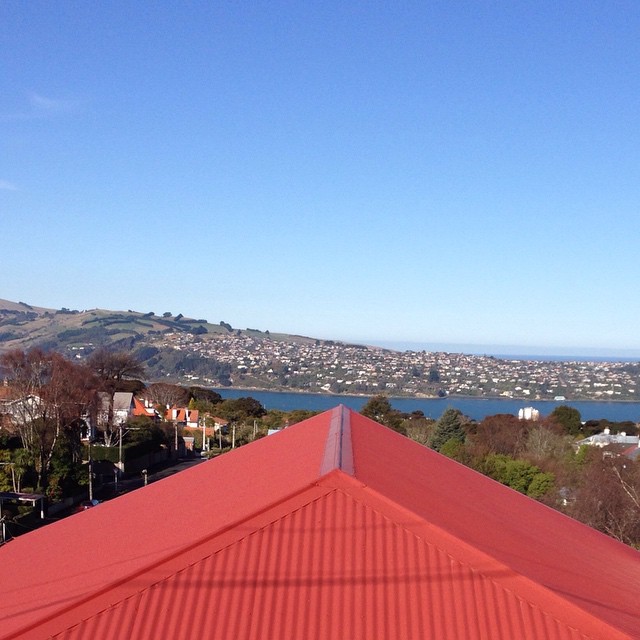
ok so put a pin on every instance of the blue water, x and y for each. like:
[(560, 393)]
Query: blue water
[(476, 408)]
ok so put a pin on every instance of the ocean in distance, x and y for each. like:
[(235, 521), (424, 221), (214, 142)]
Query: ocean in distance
[(476, 408)]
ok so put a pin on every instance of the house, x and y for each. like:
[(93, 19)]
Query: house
[(336, 527), (143, 408), (20, 409), (606, 438), (123, 406), (220, 423), (182, 416)]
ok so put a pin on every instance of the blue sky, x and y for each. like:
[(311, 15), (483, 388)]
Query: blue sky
[(417, 172)]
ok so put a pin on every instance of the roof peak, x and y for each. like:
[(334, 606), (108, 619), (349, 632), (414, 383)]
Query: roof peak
[(338, 452)]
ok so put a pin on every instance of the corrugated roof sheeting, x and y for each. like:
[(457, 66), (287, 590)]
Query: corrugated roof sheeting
[(121, 537), (335, 568), (334, 528), (573, 562)]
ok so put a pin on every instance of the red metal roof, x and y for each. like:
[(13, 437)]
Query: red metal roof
[(182, 414), (139, 409), (336, 527)]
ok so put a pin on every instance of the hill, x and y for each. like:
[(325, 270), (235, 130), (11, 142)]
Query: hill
[(159, 341)]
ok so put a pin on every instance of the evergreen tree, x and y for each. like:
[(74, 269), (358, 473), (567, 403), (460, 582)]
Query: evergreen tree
[(379, 408), (568, 418), (448, 427)]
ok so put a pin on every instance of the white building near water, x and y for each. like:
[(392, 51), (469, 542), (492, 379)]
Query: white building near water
[(529, 413), (606, 438)]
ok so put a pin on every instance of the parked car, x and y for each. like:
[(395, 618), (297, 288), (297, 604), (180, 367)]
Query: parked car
[(87, 504)]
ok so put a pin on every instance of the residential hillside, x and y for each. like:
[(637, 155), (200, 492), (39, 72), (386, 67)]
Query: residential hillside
[(181, 349), (160, 342)]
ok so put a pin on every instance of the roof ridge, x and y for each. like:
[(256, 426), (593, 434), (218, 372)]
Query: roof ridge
[(338, 451)]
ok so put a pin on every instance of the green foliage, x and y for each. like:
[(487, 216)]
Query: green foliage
[(379, 408), (418, 428), (541, 484), (274, 419), (568, 418), (240, 409), (66, 473), (6, 483), (583, 455), (453, 448), (298, 415), (448, 427), (204, 394), (196, 434), (518, 474), (140, 442)]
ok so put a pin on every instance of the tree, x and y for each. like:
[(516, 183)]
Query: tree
[(541, 485), (608, 496), (501, 433), (379, 408), (49, 394), (518, 474), (568, 418), (111, 367), (454, 449), (202, 394), (449, 426), (241, 409), (166, 395), (543, 443)]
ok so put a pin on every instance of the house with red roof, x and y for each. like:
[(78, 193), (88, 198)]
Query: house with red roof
[(336, 527), (183, 416)]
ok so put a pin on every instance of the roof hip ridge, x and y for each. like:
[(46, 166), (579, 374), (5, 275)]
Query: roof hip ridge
[(338, 451)]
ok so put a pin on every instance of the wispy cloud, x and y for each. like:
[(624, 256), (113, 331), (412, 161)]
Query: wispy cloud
[(44, 104), (5, 185), (41, 106)]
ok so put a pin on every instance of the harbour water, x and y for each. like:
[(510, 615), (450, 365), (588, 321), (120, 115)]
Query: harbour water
[(476, 408)]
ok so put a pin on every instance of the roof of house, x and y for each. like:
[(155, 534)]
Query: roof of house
[(632, 452), (139, 409), (182, 414), (336, 527), (122, 401), (603, 439)]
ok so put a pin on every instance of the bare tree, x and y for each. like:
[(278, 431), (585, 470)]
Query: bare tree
[(608, 496), (113, 366), (166, 395), (49, 394)]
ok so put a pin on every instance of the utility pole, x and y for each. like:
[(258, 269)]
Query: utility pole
[(90, 473), (120, 451), (233, 435)]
